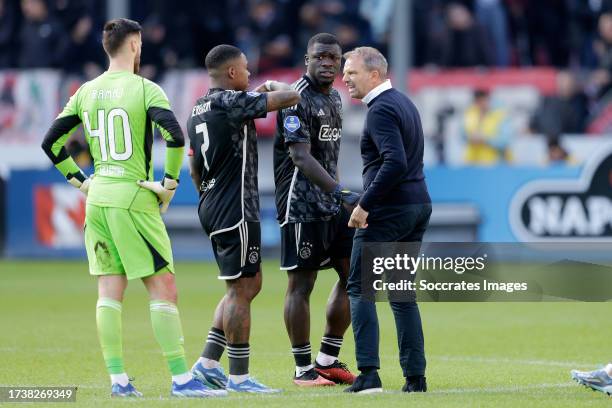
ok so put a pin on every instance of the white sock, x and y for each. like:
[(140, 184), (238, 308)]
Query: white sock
[(301, 370), (325, 359), (121, 379), (237, 379), (208, 363), (182, 378), (608, 369)]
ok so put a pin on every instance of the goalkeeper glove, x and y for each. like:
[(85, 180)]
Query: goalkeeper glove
[(164, 190), (346, 196), (80, 181)]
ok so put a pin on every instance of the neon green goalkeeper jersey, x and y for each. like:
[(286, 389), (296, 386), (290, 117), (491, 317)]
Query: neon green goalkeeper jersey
[(118, 111)]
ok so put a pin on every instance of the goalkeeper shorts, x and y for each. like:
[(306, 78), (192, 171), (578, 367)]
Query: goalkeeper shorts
[(125, 242)]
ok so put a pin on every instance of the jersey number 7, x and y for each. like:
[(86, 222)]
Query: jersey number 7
[(203, 129)]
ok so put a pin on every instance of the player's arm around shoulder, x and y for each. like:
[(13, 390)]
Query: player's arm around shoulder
[(280, 95)]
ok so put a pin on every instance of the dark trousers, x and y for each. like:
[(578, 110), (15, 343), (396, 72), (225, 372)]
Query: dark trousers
[(391, 224)]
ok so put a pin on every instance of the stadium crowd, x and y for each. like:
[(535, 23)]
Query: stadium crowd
[(573, 36), (447, 33)]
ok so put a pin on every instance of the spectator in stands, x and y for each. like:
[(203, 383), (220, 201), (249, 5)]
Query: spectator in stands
[(600, 78), (379, 13), (486, 130), (557, 155), (339, 17), (43, 41), (540, 32), (491, 15), (158, 56), (461, 42), (84, 54), (583, 29), (563, 113), (520, 33), (311, 22), (8, 28), (272, 34), (211, 24)]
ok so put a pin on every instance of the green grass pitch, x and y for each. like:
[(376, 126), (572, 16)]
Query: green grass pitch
[(479, 354)]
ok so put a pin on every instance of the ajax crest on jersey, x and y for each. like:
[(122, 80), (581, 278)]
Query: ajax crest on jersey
[(292, 123)]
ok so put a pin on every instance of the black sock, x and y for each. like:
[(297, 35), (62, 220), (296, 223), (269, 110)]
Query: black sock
[(301, 354), (330, 345), (215, 344), (238, 355), (368, 369)]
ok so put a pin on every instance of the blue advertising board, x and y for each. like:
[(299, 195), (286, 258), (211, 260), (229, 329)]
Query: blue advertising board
[(44, 213)]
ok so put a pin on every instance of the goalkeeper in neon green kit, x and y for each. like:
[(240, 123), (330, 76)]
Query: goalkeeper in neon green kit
[(125, 236)]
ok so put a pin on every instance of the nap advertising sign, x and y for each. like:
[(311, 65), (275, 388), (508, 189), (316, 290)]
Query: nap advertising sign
[(567, 210)]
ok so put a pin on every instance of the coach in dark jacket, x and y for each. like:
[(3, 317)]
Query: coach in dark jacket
[(395, 207)]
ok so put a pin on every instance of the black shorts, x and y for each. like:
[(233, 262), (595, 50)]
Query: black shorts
[(238, 251), (312, 245)]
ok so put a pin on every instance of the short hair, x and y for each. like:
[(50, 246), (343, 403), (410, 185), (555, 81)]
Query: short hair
[(220, 54), (372, 59), (116, 31), (480, 93), (323, 38)]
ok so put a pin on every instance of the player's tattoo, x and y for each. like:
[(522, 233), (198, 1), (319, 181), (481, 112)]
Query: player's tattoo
[(237, 317)]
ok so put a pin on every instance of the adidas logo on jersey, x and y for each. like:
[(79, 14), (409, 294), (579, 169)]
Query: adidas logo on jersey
[(321, 113)]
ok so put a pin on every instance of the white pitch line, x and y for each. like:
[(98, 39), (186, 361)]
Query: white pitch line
[(484, 360), (506, 360), (493, 390), (469, 359), (37, 350), (490, 390), (67, 350)]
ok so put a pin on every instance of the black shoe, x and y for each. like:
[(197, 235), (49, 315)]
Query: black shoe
[(417, 383), (366, 384)]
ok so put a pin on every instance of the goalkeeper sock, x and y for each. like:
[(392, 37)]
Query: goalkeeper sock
[(169, 334), (121, 379), (108, 320), (182, 378)]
